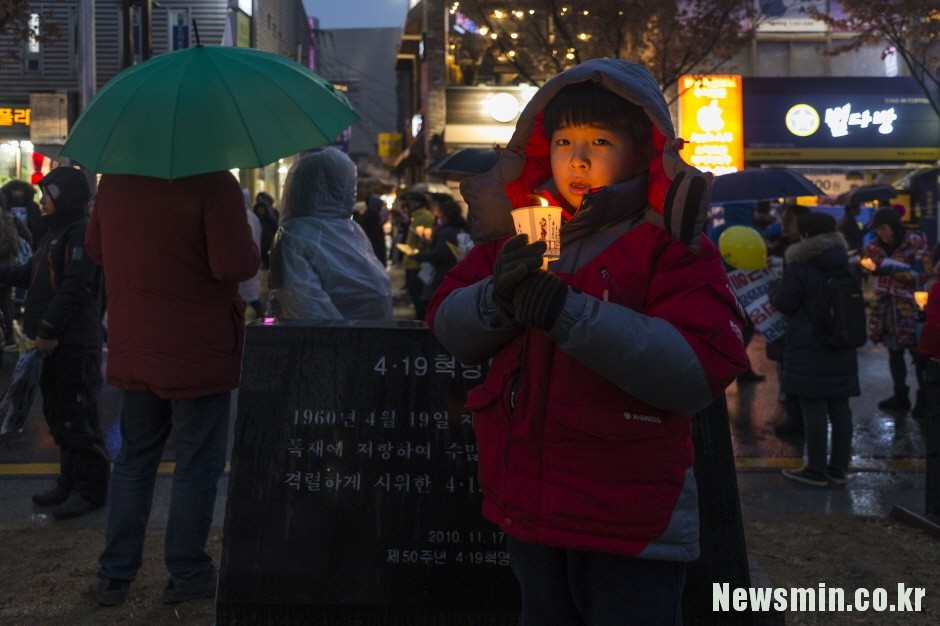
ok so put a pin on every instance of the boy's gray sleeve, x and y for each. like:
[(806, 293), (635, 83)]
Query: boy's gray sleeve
[(645, 356), (469, 325)]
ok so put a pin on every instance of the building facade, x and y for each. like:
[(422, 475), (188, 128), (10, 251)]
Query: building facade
[(477, 103), (45, 88)]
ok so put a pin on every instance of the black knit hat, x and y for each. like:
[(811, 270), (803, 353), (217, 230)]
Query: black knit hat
[(813, 224), (68, 188), (886, 215)]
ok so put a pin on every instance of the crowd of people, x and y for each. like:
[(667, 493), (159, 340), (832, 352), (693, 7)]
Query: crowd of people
[(890, 262), (597, 360)]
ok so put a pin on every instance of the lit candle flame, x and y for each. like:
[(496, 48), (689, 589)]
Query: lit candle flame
[(538, 200), (920, 297)]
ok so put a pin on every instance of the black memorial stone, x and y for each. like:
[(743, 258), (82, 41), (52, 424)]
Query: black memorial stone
[(352, 495)]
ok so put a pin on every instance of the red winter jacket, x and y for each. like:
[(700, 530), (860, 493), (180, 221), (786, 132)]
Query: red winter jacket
[(576, 446), (929, 342), (173, 253)]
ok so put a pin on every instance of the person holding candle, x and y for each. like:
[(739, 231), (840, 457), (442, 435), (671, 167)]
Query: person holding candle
[(899, 258), (598, 362)]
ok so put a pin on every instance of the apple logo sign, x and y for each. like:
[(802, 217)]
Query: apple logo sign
[(709, 117)]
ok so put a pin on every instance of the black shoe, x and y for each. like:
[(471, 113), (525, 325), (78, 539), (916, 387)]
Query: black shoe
[(109, 591), (789, 428), (836, 477), (186, 589), (895, 403), (807, 477), (76, 504), (56, 495), (751, 376)]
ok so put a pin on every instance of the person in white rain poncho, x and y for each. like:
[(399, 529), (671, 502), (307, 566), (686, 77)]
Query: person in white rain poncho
[(321, 263)]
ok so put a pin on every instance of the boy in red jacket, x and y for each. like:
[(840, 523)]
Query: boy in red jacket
[(583, 423)]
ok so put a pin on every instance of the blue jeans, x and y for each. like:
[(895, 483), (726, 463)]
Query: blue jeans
[(200, 436), (573, 587)]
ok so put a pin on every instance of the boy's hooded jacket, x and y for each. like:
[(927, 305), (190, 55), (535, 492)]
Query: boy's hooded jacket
[(322, 265), (584, 432)]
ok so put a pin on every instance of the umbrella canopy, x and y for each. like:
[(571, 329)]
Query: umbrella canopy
[(464, 162), (429, 187), (206, 109), (866, 193), (762, 184)]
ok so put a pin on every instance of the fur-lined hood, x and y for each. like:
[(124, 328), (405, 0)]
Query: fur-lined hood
[(815, 250), (676, 192)]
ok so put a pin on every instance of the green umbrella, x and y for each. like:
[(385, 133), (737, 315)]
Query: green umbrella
[(206, 109)]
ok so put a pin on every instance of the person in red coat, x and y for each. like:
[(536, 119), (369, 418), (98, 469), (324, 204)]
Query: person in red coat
[(173, 253), (583, 424), (928, 347)]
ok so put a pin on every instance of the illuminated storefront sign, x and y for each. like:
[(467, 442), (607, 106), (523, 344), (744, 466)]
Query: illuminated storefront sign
[(10, 116), (483, 115), (710, 120), (838, 119), (14, 120)]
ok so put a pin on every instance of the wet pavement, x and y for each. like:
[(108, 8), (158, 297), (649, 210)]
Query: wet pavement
[(887, 466)]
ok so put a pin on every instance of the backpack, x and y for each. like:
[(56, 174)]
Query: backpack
[(840, 319)]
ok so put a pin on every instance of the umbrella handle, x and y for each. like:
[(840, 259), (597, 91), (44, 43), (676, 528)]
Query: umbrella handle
[(196, 32)]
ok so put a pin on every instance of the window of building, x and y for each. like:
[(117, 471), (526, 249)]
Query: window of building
[(180, 29)]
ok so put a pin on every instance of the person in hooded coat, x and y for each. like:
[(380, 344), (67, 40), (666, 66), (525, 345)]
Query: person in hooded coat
[(29, 223), (62, 316), (21, 196), (322, 263), (583, 423), (822, 377)]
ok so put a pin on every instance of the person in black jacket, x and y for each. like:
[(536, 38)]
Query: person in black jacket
[(21, 196), (268, 217), (441, 252), (62, 317), (823, 377), (848, 226), (9, 242), (372, 220)]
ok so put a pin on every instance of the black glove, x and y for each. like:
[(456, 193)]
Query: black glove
[(539, 300), (514, 263)]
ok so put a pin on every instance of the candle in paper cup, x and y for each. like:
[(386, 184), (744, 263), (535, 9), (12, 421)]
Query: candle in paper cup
[(920, 297), (540, 223)]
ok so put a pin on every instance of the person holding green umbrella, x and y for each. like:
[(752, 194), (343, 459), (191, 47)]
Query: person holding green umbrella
[(173, 253), (171, 232)]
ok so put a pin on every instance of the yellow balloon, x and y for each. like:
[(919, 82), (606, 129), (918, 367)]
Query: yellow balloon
[(743, 248)]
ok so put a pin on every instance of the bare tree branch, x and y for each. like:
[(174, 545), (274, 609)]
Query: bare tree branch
[(16, 27), (539, 38), (911, 26)]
